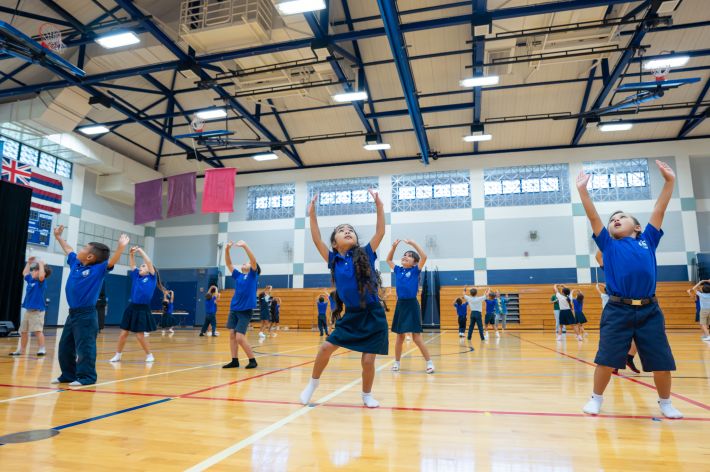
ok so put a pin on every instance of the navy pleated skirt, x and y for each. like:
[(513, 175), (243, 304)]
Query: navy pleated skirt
[(407, 316), (581, 319), (137, 318), (362, 330), (567, 318)]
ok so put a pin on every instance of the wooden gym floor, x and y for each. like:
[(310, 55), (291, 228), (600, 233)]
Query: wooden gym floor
[(510, 404)]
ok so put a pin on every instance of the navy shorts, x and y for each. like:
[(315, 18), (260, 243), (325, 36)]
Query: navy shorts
[(490, 318), (239, 321), (644, 324)]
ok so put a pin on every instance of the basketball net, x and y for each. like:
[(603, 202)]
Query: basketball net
[(197, 124), (51, 38), (660, 73)]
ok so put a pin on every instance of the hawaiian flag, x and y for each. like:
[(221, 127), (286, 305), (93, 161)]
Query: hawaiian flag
[(15, 172), (46, 192)]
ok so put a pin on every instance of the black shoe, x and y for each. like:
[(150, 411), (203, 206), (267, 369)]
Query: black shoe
[(630, 364), (252, 364), (231, 365), (40, 354), (202, 334), (15, 354)]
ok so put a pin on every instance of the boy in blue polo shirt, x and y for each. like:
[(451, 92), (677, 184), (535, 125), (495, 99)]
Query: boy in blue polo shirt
[(632, 312), (243, 302), (35, 305), (322, 306), (77, 346)]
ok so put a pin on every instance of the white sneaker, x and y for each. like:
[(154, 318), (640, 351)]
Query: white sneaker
[(593, 406), (369, 401), (430, 367), (307, 393), (116, 358), (76, 383), (705, 338), (146, 334), (668, 410), (56, 381), (485, 337), (559, 337), (461, 335), (216, 333), (261, 334), (497, 334), (208, 334), (580, 338), (172, 331), (150, 358), (408, 338), (395, 366)]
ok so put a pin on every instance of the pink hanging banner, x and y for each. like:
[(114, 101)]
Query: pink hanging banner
[(182, 195), (218, 196), (149, 201)]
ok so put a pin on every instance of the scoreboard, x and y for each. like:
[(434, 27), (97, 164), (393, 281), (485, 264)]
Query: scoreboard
[(39, 228)]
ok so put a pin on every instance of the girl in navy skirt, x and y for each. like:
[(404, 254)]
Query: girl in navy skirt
[(275, 314), (407, 313), (566, 315), (167, 320), (363, 328), (138, 318), (578, 303)]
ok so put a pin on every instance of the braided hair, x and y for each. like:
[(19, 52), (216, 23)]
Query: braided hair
[(337, 313)]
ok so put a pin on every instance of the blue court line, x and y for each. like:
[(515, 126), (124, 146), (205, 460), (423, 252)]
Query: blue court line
[(100, 417)]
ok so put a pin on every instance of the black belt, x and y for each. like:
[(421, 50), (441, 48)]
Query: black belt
[(633, 301)]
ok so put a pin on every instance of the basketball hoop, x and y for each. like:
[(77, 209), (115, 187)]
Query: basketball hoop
[(51, 38), (197, 124), (661, 73)]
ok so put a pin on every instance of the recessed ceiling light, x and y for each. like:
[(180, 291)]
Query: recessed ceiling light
[(267, 156), (96, 129), (292, 7), (116, 40), (480, 81), (666, 62), (350, 96), (614, 126), (211, 114), (377, 147)]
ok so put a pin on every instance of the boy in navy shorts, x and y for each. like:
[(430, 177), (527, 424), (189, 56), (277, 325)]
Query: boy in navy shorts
[(632, 312), (87, 270)]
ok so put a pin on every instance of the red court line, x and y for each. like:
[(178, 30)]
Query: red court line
[(631, 379), (256, 376)]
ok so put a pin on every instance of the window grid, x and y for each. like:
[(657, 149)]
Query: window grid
[(29, 155), (343, 196), (431, 191), (91, 232), (270, 202), (544, 184), (620, 179)]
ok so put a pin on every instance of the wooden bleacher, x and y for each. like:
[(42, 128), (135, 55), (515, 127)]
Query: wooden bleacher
[(298, 308)]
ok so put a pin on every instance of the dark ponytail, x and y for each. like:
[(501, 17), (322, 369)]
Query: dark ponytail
[(158, 282), (336, 314)]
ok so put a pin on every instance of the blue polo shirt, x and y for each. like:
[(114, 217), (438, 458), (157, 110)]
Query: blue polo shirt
[(322, 307), (84, 282), (34, 294), (407, 281), (244, 290), (142, 288), (332, 302), (630, 264), (211, 306), (503, 304), (490, 306), (461, 309), (577, 305), (345, 282)]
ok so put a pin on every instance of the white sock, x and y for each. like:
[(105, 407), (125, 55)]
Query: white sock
[(369, 401), (116, 358), (395, 366), (42, 349), (594, 405), (667, 408), (307, 392)]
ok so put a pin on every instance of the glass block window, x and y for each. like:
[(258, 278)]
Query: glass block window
[(622, 179), (270, 202), (47, 162), (29, 155), (431, 191), (10, 148), (343, 196), (526, 185), (91, 232)]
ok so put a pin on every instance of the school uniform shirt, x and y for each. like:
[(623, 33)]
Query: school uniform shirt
[(476, 303), (630, 264), (490, 306), (562, 300), (703, 300), (556, 305), (142, 288), (211, 306), (345, 281), (244, 290), (84, 282), (578, 306), (34, 294), (461, 309), (322, 307), (503, 305), (407, 281)]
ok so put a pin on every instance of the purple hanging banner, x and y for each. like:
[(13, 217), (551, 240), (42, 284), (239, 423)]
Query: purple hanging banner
[(149, 201), (182, 194)]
